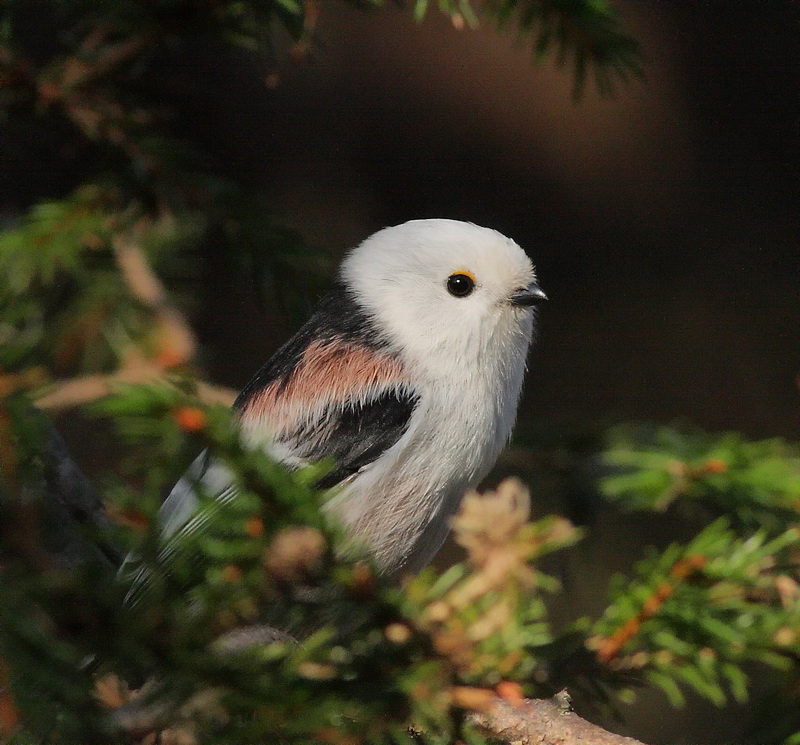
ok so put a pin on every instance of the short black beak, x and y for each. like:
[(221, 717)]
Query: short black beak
[(530, 295)]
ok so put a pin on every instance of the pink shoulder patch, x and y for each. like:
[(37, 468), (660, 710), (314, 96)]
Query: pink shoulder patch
[(327, 373)]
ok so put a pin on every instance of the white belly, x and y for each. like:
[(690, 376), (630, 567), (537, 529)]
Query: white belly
[(400, 506)]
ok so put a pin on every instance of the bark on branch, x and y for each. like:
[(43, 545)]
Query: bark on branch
[(544, 722), (531, 722)]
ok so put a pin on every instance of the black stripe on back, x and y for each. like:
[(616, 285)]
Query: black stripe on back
[(361, 434), (337, 316)]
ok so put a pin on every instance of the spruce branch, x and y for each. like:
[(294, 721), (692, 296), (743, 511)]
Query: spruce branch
[(683, 569), (756, 484), (448, 653), (174, 341), (693, 614), (587, 34), (502, 713)]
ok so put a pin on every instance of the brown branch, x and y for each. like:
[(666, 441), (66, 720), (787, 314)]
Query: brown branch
[(525, 722), (544, 722), (530, 722), (608, 648)]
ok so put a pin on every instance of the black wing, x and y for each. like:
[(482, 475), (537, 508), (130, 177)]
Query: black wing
[(358, 435), (352, 435)]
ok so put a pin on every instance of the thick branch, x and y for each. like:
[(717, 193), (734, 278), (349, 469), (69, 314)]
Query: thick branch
[(531, 722), (544, 722)]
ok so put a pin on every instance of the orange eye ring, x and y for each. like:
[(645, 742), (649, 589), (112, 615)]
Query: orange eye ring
[(461, 284)]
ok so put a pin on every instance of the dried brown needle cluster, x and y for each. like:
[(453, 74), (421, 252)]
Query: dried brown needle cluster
[(295, 554), (500, 542)]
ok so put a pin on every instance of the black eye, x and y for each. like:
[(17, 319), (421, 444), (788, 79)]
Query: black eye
[(460, 284)]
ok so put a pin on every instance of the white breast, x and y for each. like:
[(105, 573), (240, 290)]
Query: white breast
[(400, 505)]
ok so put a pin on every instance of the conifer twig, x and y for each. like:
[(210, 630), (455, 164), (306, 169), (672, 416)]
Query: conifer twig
[(176, 343), (611, 646)]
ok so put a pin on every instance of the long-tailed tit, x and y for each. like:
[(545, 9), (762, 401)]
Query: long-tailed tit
[(407, 375)]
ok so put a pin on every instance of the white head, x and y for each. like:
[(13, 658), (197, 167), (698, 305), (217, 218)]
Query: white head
[(448, 293)]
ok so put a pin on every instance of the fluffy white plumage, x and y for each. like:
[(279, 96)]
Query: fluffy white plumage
[(411, 388), (466, 357)]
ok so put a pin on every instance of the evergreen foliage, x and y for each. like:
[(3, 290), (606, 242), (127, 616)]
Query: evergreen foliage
[(268, 626)]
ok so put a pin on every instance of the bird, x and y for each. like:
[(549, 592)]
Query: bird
[(407, 376)]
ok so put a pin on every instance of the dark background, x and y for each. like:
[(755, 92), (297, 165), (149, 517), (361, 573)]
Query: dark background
[(663, 222)]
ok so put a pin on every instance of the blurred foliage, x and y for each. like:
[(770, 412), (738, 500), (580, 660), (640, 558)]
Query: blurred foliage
[(693, 614), (94, 282), (68, 305), (589, 35), (368, 661), (205, 654), (756, 484), (91, 86)]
